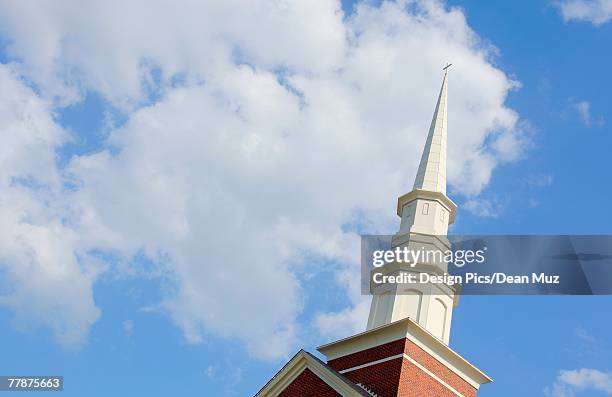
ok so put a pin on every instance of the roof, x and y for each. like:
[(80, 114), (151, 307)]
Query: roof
[(298, 363)]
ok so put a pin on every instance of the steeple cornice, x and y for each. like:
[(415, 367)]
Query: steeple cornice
[(450, 206)]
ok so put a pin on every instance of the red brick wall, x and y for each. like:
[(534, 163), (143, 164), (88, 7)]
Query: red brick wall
[(440, 370), (416, 383), (399, 377), (307, 384), (383, 379), (368, 355)]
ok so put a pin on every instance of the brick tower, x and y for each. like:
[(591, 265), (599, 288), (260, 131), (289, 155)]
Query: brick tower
[(404, 351)]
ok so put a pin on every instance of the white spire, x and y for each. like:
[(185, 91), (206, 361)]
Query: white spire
[(426, 212), (431, 175)]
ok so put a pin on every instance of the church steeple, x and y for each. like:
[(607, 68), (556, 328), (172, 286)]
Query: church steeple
[(431, 174), (404, 350), (426, 213)]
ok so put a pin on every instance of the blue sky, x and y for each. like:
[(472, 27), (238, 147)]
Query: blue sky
[(146, 331)]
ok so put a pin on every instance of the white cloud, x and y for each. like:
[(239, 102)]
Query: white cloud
[(597, 12), (538, 180), (226, 373), (584, 335), (583, 108), (276, 122), (128, 327), (47, 276), (210, 371), (116, 47), (348, 321), (569, 383), (484, 207)]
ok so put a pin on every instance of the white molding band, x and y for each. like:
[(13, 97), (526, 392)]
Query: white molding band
[(382, 360), (407, 329), (411, 360), (428, 372)]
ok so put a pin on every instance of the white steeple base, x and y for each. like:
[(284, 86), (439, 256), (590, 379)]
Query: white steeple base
[(428, 304)]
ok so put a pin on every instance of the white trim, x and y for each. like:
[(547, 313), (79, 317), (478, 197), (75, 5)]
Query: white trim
[(407, 328), (410, 359), (382, 360), (295, 367), (444, 360), (428, 372)]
